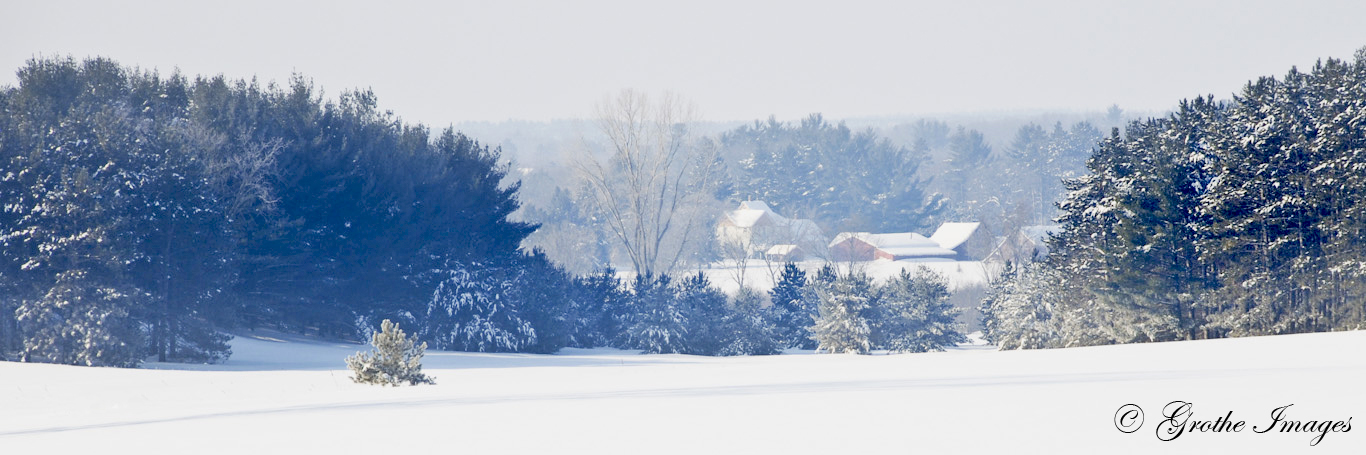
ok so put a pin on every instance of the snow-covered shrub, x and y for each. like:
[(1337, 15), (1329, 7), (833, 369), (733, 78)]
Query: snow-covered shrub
[(394, 360)]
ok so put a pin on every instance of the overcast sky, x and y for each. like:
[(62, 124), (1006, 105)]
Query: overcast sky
[(440, 62)]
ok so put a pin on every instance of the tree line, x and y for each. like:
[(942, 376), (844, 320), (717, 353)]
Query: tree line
[(144, 213), (1226, 218)]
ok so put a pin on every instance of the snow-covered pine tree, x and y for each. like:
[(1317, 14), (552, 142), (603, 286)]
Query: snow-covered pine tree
[(73, 259), (749, 327), (1265, 215), (603, 304), (842, 325), (705, 310), (1018, 310), (656, 323), (791, 314), (472, 310), (80, 322), (914, 314), (394, 360), (787, 166)]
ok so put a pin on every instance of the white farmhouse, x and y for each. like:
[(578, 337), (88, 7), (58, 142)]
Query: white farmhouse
[(756, 228)]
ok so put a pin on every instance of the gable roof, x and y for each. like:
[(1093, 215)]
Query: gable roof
[(951, 235), (750, 212), (755, 205), (746, 218), (899, 244)]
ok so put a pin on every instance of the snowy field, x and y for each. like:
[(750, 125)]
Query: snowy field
[(282, 394)]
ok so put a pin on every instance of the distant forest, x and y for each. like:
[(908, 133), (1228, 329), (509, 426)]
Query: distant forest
[(143, 216)]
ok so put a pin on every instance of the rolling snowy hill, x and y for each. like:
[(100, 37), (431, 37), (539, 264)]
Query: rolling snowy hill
[(282, 394)]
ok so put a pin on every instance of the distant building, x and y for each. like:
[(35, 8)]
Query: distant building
[(952, 241), (968, 240), (758, 228), (864, 246), (785, 253)]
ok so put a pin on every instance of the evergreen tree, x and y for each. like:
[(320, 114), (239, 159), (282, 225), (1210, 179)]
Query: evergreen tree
[(1017, 312), (791, 314), (656, 324), (603, 307), (546, 297), (394, 360), (749, 327), (968, 152), (843, 325), (704, 309), (913, 314), (474, 309), (181, 208), (877, 185)]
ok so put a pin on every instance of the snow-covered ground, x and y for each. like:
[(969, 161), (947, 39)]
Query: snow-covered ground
[(281, 394)]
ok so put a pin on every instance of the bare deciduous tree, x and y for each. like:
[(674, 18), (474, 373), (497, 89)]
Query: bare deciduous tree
[(654, 191)]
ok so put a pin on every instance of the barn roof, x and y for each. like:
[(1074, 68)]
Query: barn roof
[(899, 244), (951, 235)]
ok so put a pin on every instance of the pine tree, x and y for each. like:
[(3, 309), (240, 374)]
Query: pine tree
[(705, 311), (394, 360), (914, 314), (749, 328), (603, 309), (474, 309), (877, 185), (1018, 310), (656, 323), (843, 325), (80, 322), (791, 314)]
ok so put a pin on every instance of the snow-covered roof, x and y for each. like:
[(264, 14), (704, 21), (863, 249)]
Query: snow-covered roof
[(782, 249), (746, 218), (951, 235), (900, 244), (804, 228), (750, 212), (755, 205)]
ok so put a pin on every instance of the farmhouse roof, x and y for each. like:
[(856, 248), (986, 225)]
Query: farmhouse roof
[(750, 212)]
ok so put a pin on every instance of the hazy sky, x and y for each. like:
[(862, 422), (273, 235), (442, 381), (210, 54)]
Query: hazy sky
[(440, 62)]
